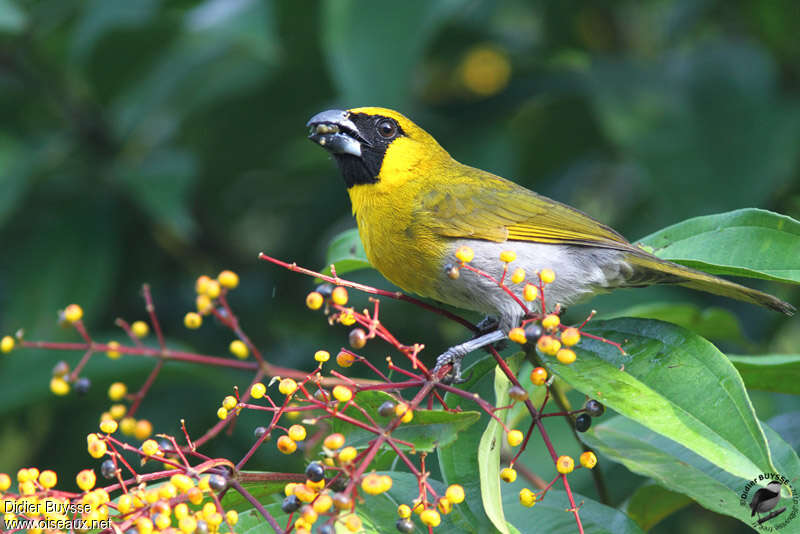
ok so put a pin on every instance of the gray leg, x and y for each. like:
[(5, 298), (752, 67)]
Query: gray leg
[(455, 354)]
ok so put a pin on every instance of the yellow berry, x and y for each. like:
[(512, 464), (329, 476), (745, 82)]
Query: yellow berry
[(117, 391), (565, 464), (59, 386), (538, 376), (342, 393), (287, 386), (229, 402), (322, 356), (527, 498), (352, 523), (323, 503), (404, 412), (404, 511), (140, 329), (333, 441), (304, 493), (314, 300), (345, 359), (222, 413), (113, 350), (7, 344), (508, 474), (517, 335), (195, 495), (571, 336), (86, 479), (508, 256), (97, 449), (192, 320), (228, 279), (518, 275), (213, 289), (588, 459), (551, 322), (150, 447), (109, 426), (143, 430), (187, 524), (548, 345), (372, 484), (48, 479), (258, 390), (455, 493), (515, 437), (231, 517), (203, 304), (167, 491), (547, 276), (182, 482), (201, 284), (430, 518), (286, 444), (125, 503), (5, 481), (239, 349), (444, 506), (530, 292), (297, 432), (73, 313), (127, 425), (162, 521), (347, 317), (465, 254), (347, 455), (339, 295), (566, 356)]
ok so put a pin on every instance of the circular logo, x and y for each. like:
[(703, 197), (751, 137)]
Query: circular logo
[(771, 500)]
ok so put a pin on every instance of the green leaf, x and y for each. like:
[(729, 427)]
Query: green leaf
[(770, 372), (676, 384), (710, 323), (460, 468), (489, 449), (749, 242), (427, 430), (358, 36), (12, 18), (264, 492), (679, 469), (551, 515), (651, 503), (100, 17), (252, 522), (346, 252)]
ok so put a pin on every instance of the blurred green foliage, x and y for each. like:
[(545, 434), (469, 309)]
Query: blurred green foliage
[(157, 140)]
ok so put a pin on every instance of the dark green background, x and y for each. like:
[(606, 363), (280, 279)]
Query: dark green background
[(147, 141)]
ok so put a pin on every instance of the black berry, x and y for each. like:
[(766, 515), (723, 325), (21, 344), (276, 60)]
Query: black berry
[(315, 472), (406, 526), (82, 385), (583, 422), (290, 504), (594, 408), (108, 469)]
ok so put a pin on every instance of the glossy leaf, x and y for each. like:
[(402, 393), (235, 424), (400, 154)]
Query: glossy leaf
[(676, 384), (12, 18), (552, 514), (427, 430), (346, 253), (679, 469), (770, 372), (651, 503), (749, 242)]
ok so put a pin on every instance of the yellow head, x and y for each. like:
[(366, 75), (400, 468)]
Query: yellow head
[(376, 146)]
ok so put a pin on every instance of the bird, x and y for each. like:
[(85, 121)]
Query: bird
[(765, 499), (415, 206)]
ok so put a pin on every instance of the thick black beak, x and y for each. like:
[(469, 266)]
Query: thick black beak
[(334, 131)]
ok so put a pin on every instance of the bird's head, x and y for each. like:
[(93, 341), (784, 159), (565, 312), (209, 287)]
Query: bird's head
[(375, 145)]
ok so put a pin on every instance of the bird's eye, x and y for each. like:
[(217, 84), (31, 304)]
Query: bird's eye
[(387, 128)]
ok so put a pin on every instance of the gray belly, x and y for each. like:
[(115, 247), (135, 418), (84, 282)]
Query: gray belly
[(581, 272)]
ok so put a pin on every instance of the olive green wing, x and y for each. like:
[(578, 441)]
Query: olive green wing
[(479, 205)]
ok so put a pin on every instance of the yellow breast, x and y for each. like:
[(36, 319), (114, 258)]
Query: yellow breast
[(407, 254)]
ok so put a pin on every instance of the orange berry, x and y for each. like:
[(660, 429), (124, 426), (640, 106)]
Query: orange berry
[(48, 479), (86, 479), (551, 322), (143, 430), (286, 444), (588, 459), (345, 359), (517, 335), (571, 336), (97, 448), (538, 376), (566, 356), (404, 412), (287, 386), (228, 279), (333, 441), (372, 484)]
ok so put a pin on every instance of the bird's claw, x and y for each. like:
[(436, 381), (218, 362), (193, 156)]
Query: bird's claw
[(453, 357)]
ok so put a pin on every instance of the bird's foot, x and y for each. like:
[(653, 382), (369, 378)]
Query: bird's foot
[(487, 325), (454, 355)]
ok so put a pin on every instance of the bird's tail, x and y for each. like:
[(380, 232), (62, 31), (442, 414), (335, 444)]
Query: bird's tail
[(656, 270)]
